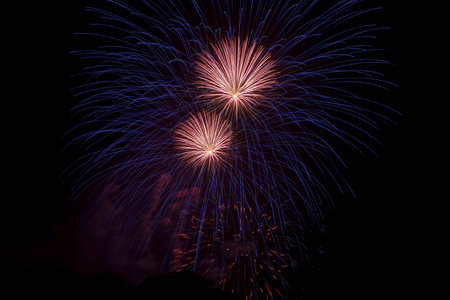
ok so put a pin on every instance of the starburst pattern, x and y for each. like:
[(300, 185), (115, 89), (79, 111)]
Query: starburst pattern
[(236, 75), (203, 140)]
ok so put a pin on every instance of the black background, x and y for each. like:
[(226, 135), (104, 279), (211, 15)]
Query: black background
[(365, 241)]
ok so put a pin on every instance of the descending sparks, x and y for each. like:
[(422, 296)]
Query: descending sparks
[(203, 139), (250, 256), (236, 75)]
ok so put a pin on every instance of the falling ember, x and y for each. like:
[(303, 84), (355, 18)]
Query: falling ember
[(239, 267), (203, 139), (237, 75)]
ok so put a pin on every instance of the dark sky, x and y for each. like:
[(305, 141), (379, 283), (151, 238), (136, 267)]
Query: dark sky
[(365, 236)]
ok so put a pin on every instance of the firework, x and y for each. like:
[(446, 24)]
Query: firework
[(203, 140), (237, 75), (235, 245), (169, 98)]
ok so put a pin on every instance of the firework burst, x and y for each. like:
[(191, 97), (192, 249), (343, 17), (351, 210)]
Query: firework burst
[(203, 140), (237, 75)]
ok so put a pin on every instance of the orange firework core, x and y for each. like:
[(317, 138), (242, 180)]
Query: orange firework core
[(236, 75), (203, 139)]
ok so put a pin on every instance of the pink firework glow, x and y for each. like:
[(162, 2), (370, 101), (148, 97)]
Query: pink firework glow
[(203, 139), (237, 75)]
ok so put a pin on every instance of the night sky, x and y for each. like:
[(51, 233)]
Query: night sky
[(364, 236)]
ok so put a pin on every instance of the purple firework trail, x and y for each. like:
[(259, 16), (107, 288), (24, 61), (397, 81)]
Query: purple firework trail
[(216, 123)]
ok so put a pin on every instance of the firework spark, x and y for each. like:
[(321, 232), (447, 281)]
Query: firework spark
[(237, 75), (203, 140), (246, 246)]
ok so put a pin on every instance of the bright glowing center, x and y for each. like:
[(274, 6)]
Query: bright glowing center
[(236, 74), (203, 139)]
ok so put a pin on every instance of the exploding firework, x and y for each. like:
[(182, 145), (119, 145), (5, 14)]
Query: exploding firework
[(238, 74), (170, 97), (203, 140)]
